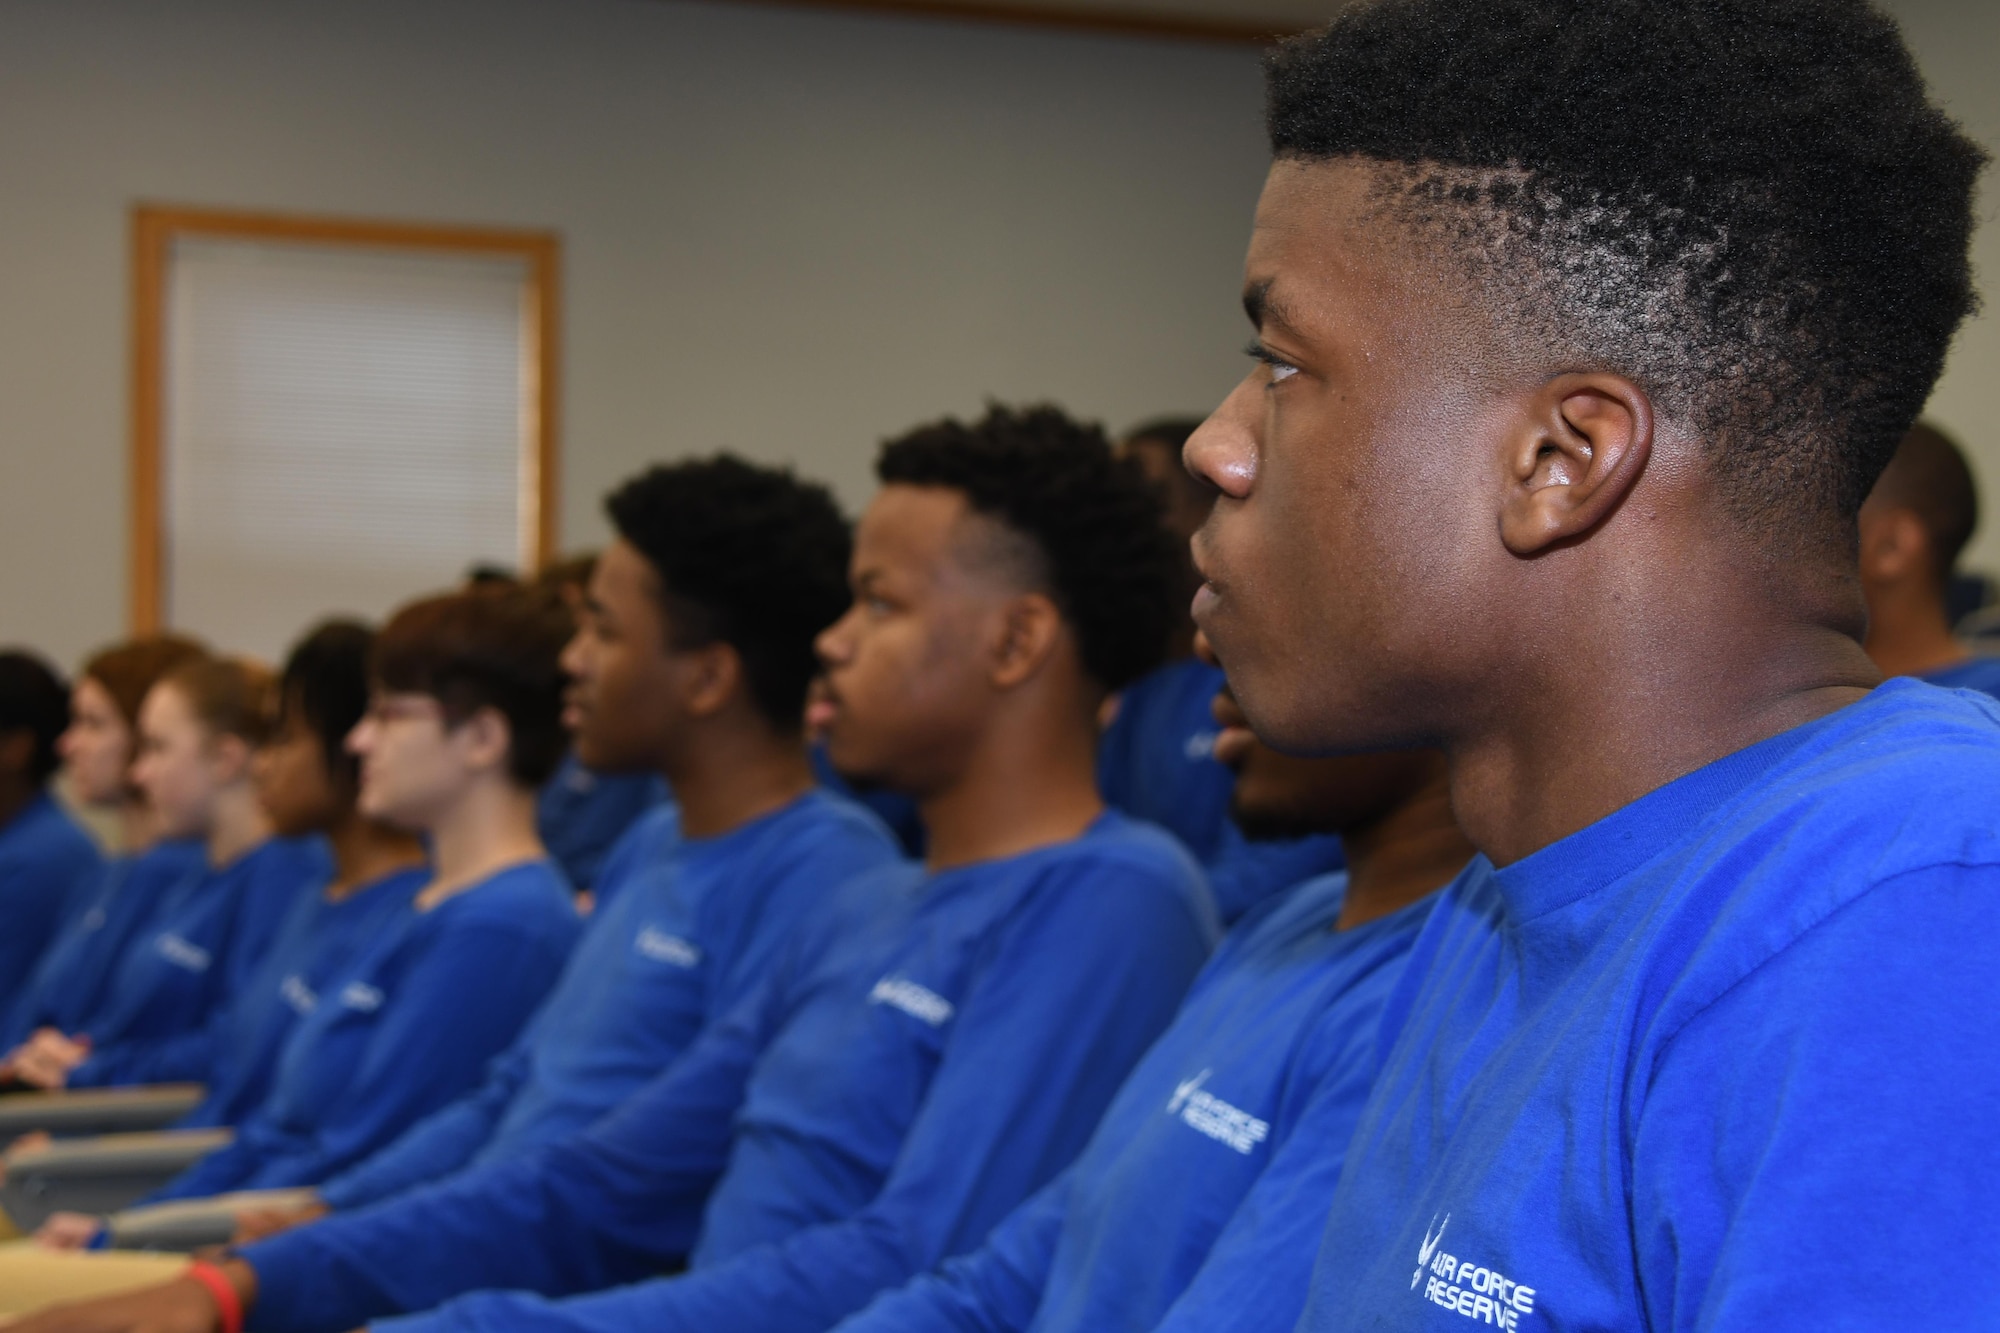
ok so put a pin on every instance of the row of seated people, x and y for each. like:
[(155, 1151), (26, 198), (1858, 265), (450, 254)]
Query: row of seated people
[(1563, 410), (1041, 932), (775, 1058)]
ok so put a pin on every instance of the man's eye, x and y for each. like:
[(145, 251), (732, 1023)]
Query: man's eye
[(1281, 372), (1281, 369)]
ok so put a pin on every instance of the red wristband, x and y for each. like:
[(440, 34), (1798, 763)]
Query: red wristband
[(228, 1305)]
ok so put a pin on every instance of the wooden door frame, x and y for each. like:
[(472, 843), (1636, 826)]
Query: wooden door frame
[(155, 228)]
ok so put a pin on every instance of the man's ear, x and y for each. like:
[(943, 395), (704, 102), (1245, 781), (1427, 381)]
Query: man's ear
[(487, 737), (1894, 545), (1576, 455), (1030, 624), (715, 676)]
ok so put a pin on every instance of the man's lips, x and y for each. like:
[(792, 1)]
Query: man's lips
[(821, 712)]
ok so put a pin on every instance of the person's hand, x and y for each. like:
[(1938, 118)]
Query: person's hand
[(262, 1223), (180, 1306), (68, 1231), (46, 1059)]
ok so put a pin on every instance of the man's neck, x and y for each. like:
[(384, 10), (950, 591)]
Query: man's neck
[(491, 828), (1627, 707), (1910, 635), (726, 776), (1026, 786), (365, 851), (1408, 854)]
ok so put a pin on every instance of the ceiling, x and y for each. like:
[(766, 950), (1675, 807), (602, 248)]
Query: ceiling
[(1219, 20)]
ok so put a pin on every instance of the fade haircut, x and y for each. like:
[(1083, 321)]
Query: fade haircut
[(496, 646), (34, 699), (748, 556), (325, 687), (1929, 477), (1090, 522), (1748, 206)]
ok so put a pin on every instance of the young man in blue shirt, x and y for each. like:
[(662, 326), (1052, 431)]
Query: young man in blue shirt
[(1918, 518), (691, 662), (48, 864), (1199, 1200), (930, 1050), (1583, 330)]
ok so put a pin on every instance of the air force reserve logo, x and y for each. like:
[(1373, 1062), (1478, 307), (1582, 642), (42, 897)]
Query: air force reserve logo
[(1205, 1113), (1483, 1295)]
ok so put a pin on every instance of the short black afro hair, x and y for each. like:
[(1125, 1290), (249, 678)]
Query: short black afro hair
[(1091, 518), (1749, 206), (34, 699), (748, 556)]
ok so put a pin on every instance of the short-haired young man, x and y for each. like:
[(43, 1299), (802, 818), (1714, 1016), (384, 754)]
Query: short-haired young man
[(1584, 328), (1918, 518), (47, 863), (930, 1050), (1199, 1202), (692, 662)]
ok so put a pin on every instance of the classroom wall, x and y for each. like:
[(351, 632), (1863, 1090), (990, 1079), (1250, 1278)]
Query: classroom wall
[(787, 232)]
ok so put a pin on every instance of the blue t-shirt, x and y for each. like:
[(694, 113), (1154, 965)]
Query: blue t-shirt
[(194, 957), (320, 940), (927, 1052), (48, 867), (69, 982), (1722, 1060), (1157, 761), (687, 929), (1975, 673), (409, 1026), (581, 815), (1201, 1197)]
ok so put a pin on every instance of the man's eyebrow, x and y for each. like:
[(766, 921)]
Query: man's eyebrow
[(1264, 309)]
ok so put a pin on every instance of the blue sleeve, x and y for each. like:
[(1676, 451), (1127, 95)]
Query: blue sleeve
[(1089, 982), (441, 1142), (1820, 1139), (814, 865), (466, 1000), (1257, 1272), (36, 898), (996, 1289), (608, 1206)]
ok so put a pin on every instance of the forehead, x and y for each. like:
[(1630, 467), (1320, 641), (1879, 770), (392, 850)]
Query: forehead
[(1331, 256), (908, 527)]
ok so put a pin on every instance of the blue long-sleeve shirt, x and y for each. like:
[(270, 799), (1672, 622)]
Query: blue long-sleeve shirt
[(70, 980), (193, 959), (582, 815), (48, 865), (1207, 1180), (927, 1052), (408, 1027), (685, 930), (1157, 761), (321, 940), (1722, 1060)]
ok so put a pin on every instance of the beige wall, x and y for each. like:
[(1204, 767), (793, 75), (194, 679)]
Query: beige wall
[(787, 232), (1958, 44)]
